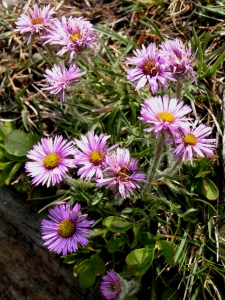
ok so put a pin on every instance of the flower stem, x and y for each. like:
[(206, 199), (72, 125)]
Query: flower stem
[(75, 113), (92, 99), (51, 53), (97, 72), (179, 86), (105, 78), (78, 182), (171, 171), (156, 160)]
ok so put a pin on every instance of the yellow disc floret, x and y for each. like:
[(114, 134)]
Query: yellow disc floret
[(190, 139), (150, 69), (74, 37), (66, 228), (124, 173), (37, 21), (96, 157), (51, 161), (166, 117)]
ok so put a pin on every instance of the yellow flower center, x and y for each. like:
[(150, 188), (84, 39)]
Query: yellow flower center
[(51, 161), (190, 139), (124, 173), (96, 157), (166, 117), (74, 37), (149, 68), (66, 228), (37, 21)]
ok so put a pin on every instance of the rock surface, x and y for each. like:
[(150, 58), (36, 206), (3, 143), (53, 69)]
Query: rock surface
[(27, 270)]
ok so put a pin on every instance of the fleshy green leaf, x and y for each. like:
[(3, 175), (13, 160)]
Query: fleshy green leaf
[(18, 143), (168, 251), (12, 172), (206, 187), (113, 245), (140, 260), (117, 224), (4, 130)]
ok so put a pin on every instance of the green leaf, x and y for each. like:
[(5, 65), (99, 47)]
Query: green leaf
[(81, 267), (108, 53), (113, 34), (151, 25), (2, 154), (5, 165), (12, 172), (113, 245), (168, 251), (72, 258), (117, 224), (140, 260), (98, 231), (5, 174), (101, 268), (201, 174), (18, 143), (87, 278), (89, 269), (4, 130), (16, 158), (168, 293), (25, 119), (206, 187), (216, 65), (125, 121)]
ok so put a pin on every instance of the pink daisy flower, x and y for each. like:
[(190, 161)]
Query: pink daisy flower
[(59, 78), (194, 141), (37, 20), (74, 35), (179, 57), (66, 230), (110, 285), (50, 161), (149, 68), (121, 173), (164, 115), (92, 155)]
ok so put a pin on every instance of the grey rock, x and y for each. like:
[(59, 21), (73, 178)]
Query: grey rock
[(28, 271)]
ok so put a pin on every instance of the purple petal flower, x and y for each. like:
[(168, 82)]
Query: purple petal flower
[(110, 285), (164, 115), (37, 20), (74, 35), (66, 230), (121, 173), (194, 141), (179, 57), (92, 155), (59, 78), (50, 161), (149, 68)]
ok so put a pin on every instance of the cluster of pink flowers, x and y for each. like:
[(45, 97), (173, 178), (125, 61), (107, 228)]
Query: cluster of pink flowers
[(72, 35), (51, 159), (167, 117), (171, 61)]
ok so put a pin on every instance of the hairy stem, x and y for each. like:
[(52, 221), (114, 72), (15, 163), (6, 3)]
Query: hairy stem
[(179, 86), (51, 53), (156, 160)]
